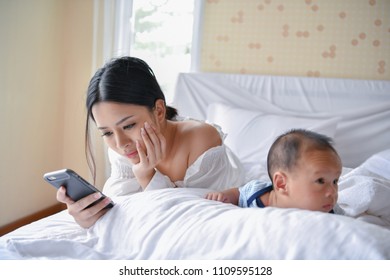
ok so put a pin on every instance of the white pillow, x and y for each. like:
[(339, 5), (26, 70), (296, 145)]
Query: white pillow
[(250, 134)]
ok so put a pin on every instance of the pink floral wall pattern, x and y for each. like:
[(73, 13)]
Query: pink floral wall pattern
[(314, 38)]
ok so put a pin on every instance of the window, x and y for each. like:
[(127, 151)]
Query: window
[(162, 32)]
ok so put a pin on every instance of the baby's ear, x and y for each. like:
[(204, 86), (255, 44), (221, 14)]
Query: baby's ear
[(280, 182)]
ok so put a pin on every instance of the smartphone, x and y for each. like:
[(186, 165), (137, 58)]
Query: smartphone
[(76, 186)]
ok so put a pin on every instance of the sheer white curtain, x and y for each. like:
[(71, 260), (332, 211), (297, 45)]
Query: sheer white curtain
[(111, 38), (197, 35), (112, 30)]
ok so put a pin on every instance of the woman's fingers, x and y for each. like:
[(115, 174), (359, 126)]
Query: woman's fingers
[(161, 141), (141, 153), (85, 216), (83, 203), (148, 145), (62, 197), (154, 143)]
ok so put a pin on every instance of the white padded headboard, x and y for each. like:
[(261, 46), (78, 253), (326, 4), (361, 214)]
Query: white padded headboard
[(362, 105)]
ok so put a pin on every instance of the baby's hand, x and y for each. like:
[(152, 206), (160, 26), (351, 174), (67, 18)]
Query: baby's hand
[(218, 196)]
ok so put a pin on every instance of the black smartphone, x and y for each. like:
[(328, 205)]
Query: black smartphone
[(76, 186)]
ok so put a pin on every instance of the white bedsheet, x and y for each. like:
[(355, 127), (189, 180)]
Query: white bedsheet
[(364, 192), (181, 224)]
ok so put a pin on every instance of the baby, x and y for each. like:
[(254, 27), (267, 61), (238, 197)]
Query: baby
[(304, 169)]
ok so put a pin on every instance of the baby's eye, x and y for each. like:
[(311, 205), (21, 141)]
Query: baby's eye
[(335, 181), (106, 134), (320, 180)]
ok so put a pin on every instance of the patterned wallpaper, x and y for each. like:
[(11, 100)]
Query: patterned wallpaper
[(315, 38)]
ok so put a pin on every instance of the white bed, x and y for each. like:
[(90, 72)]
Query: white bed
[(181, 224)]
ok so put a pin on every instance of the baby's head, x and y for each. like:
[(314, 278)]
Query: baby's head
[(304, 168)]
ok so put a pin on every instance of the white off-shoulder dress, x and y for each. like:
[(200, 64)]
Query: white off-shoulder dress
[(217, 169)]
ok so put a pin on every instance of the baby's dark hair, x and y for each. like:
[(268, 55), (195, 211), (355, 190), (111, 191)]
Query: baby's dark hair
[(287, 148)]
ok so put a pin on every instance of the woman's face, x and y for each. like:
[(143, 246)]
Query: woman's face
[(120, 125)]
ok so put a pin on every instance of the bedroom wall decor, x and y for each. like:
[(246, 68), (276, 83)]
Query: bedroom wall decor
[(314, 38)]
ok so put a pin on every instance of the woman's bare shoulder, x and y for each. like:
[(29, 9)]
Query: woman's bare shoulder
[(197, 130), (200, 137)]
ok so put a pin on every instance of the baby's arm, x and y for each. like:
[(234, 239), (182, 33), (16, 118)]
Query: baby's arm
[(227, 196)]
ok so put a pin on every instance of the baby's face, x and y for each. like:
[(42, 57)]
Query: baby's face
[(313, 183)]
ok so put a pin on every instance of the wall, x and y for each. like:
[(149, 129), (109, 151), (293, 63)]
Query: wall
[(46, 59), (326, 38)]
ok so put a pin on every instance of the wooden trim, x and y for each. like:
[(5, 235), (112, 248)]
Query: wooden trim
[(32, 218)]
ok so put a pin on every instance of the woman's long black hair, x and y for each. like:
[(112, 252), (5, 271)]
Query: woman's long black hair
[(127, 80)]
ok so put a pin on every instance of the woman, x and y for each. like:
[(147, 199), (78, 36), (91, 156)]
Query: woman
[(149, 147)]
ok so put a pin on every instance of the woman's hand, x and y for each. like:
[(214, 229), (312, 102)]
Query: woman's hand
[(85, 217), (155, 145)]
